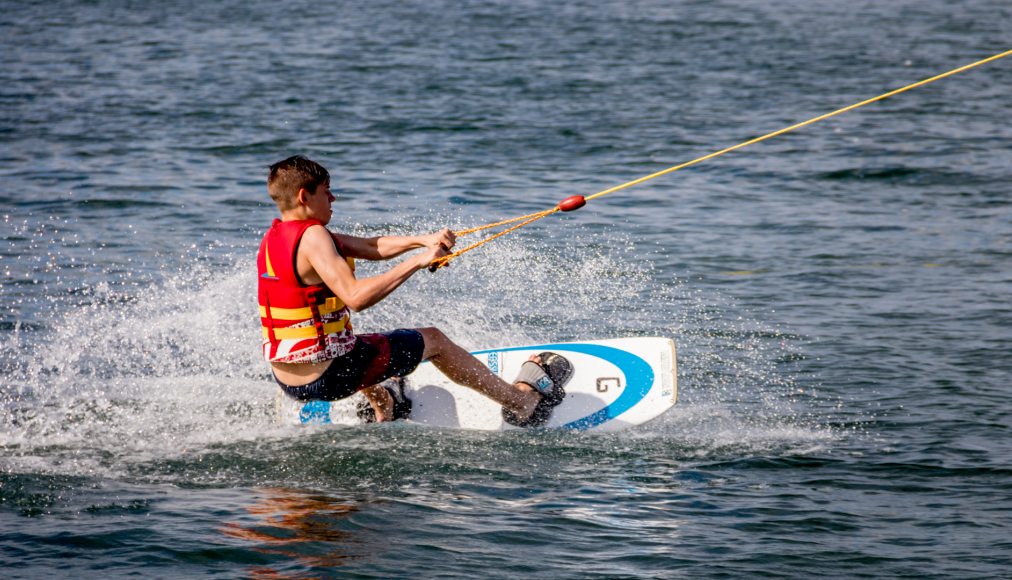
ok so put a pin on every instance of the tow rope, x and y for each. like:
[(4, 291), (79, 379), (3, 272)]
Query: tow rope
[(577, 201)]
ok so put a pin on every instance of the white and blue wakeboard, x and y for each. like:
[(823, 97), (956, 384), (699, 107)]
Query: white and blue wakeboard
[(616, 384)]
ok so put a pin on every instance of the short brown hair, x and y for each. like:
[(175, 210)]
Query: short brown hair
[(288, 176)]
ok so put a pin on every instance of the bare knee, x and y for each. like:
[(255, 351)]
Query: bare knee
[(435, 342)]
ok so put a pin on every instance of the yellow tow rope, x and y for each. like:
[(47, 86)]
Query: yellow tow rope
[(575, 202)]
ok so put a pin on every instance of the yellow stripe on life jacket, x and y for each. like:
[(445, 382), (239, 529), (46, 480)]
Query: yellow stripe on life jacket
[(267, 259), (332, 304), (303, 332)]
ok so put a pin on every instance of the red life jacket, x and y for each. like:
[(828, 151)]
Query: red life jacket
[(301, 323)]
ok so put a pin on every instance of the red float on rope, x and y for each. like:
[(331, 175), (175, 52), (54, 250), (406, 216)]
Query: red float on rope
[(572, 202)]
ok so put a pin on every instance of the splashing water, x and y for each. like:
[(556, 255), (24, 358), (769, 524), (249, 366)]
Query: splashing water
[(171, 368)]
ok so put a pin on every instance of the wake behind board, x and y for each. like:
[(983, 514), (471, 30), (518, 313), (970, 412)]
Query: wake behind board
[(616, 384)]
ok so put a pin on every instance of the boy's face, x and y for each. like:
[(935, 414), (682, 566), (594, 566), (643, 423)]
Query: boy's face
[(318, 203)]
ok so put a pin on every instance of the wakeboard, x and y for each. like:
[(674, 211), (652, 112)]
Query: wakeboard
[(616, 384)]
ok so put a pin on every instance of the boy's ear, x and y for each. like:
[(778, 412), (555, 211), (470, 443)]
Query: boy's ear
[(302, 196)]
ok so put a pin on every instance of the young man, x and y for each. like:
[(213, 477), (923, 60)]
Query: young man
[(308, 289)]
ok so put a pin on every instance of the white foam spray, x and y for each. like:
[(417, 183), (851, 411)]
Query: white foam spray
[(175, 367)]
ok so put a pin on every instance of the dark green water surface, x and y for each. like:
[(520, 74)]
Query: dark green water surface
[(840, 296)]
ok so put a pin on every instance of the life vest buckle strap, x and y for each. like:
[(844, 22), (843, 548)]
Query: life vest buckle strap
[(313, 298), (270, 319)]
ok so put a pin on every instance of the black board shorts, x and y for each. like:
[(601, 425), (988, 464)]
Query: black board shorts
[(374, 359)]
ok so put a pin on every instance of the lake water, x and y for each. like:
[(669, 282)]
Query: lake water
[(840, 296)]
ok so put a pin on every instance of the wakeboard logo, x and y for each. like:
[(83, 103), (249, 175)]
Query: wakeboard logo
[(493, 362), (606, 383), (544, 383)]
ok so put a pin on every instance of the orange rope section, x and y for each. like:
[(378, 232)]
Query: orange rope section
[(440, 262)]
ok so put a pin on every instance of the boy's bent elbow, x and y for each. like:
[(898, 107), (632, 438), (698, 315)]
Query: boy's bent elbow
[(359, 303), (356, 306)]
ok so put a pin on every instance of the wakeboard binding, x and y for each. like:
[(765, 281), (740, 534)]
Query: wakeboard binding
[(549, 379), (402, 404)]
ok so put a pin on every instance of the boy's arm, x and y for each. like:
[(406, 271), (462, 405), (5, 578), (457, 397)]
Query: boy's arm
[(324, 263), (386, 247)]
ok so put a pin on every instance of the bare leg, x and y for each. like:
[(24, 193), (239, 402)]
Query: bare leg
[(462, 368)]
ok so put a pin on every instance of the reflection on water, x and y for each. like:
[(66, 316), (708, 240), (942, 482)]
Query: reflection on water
[(305, 528)]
